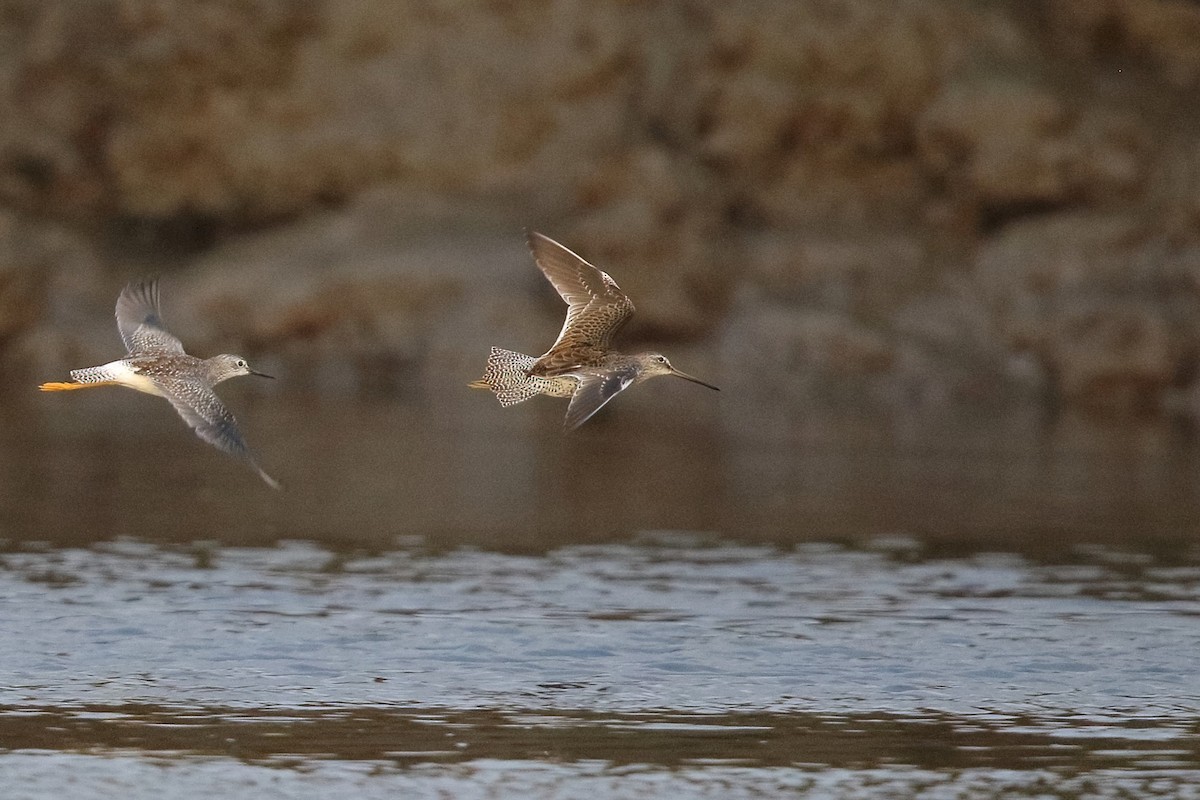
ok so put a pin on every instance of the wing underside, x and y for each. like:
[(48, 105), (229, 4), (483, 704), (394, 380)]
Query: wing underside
[(204, 413), (139, 319), (596, 307), (594, 391)]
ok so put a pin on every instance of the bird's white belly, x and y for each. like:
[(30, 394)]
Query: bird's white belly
[(123, 374)]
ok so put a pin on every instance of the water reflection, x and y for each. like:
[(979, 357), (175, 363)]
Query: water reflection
[(406, 737), (467, 474), (444, 599)]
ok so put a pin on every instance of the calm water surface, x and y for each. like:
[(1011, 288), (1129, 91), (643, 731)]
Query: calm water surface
[(451, 602)]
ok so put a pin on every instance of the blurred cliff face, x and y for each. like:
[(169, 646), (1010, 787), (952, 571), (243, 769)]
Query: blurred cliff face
[(924, 201)]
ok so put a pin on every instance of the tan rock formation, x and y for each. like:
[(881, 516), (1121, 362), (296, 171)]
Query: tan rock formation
[(937, 198)]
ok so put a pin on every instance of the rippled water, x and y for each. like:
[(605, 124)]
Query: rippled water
[(992, 609)]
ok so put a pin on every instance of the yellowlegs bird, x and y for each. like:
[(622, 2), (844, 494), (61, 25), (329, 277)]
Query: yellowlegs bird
[(581, 364), (156, 364)]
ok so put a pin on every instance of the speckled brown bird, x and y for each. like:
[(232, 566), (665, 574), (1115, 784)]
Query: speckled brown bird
[(156, 364), (581, 364)]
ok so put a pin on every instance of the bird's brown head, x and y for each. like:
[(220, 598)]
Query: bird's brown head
[(657, 364)]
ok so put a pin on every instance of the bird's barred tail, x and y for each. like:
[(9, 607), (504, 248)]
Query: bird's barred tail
[(86, 378), (92, 375), (507, 375)]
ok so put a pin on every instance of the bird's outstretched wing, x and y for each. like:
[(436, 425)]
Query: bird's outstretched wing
[(140, 321), (594, 390), (204, 412), (596, 306)]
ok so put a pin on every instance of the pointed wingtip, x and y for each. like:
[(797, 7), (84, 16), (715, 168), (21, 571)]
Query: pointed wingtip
[(274, 484), (539, 242), (534, 240), (143, 291), (262, 473), (572, 421)]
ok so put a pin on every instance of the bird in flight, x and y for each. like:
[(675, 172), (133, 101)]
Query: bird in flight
[(581, 364), (156, 364)]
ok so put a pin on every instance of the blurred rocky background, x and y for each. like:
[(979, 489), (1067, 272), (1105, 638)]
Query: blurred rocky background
[(902, 202)]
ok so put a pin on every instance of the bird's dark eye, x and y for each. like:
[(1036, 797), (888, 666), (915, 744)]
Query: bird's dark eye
[(662, 359), (241, 363)]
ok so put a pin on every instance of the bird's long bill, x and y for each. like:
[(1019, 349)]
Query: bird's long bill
[(693, 379), (262, 374)]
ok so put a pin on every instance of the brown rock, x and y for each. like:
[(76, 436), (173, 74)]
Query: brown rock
[(805, 111), (912, 196), (47, 276), (1007, 147), (244, 111), (1105, 304), (865, 274), (651, 224), (772, 349), (1112, 355), (1164, 34)]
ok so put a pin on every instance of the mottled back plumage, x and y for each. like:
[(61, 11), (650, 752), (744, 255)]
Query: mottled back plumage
[(157, 364), (596, 308), (139, 320), (581, 364)]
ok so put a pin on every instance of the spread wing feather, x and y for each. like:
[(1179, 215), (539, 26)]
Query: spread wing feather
[(594, 390), (140, 321), (596, 307), (204, 413)]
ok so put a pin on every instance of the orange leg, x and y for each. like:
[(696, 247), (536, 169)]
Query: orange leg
[(66, 387)]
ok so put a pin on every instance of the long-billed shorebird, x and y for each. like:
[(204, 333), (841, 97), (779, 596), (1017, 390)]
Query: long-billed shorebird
[(581, 365), (156, 364)]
